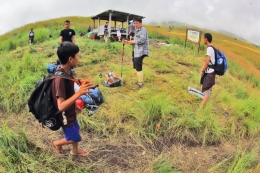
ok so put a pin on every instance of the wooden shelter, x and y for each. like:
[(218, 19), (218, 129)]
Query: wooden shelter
[(115, 16)]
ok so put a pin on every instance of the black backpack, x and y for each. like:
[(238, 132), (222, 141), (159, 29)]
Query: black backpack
[(41, 103)]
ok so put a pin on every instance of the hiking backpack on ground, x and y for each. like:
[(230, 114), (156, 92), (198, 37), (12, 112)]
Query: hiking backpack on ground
[(41, 103), (221, 64), (112, 80)]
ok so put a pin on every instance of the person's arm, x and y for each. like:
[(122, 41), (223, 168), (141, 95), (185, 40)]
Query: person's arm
[(61, 36), (205, 65), (61, 39), (65, 104), (128, 42), (73, 36), (73, 39)]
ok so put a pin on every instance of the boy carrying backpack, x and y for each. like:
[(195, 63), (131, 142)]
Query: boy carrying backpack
[(215, 64), (64, 99)]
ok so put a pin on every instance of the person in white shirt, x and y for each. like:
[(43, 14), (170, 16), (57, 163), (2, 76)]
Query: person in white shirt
[(31, 36), (118, 32), (207, 70)]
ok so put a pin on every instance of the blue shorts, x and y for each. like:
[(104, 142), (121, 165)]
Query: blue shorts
[(72, 133), (105, 32)]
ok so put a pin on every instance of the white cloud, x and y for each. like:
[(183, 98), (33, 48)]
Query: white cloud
[(240, 17)]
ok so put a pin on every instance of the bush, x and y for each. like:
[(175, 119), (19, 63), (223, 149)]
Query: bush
[(11, 46)]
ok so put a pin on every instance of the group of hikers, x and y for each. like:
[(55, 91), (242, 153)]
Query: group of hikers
[(131, 31), (65, 97)]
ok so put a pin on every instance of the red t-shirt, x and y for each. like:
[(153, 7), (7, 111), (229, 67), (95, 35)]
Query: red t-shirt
[(64, 88)]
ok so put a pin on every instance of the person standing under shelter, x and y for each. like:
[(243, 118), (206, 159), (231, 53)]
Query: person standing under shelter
[(67, 34), (131, 28), (105, 31), (31, 36), (207, 70), (118, 32), (141, 49)]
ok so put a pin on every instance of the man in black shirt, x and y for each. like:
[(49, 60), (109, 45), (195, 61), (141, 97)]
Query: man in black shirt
[(67, 34)]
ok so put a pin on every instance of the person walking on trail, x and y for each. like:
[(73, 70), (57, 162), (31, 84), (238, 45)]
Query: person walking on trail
[(208, 73), (141, 49), (105, 31), (131, 29), (67, 34), (64, 99), (31, 36), (118, 32)]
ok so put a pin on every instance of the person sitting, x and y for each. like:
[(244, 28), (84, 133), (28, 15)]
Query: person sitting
[(166, 43)]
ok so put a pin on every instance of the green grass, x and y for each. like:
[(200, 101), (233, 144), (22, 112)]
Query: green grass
[(242, 161), (163, 165), (163, 109)]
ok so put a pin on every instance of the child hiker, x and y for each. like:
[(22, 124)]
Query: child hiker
[(64, 98)]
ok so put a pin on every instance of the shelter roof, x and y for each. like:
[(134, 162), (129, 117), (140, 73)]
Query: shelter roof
[(116, 16)]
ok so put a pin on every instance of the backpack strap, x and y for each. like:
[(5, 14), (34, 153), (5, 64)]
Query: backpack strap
[(60, 74), (212, 65)]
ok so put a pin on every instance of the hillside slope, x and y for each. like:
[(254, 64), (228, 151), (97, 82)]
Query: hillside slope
[(159, 128)]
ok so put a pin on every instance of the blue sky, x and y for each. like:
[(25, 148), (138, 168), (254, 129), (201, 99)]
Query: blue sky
[(240, 17)]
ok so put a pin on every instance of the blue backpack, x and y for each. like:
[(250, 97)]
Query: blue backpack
[(92, 100), (221, 64), (52, 68)]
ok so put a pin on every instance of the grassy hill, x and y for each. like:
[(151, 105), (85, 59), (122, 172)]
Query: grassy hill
[(159, 128)]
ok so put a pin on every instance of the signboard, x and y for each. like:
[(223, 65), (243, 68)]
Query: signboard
[(193, 36)]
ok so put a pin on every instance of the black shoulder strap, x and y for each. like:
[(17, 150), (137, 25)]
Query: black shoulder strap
[(62, 74)]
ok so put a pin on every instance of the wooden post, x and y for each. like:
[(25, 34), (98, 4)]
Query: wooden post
[(127, 23), (199, 42), (93, 23), (186, 37), (109, 28)]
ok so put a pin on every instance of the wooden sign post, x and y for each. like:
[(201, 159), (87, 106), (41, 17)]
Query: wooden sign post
[(193, 36)]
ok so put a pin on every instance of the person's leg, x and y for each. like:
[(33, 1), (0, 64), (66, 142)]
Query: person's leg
[(133, 59), (72, 136), (75, 150), (138, 66), (140, 77), (206, 97), (208, 82)]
